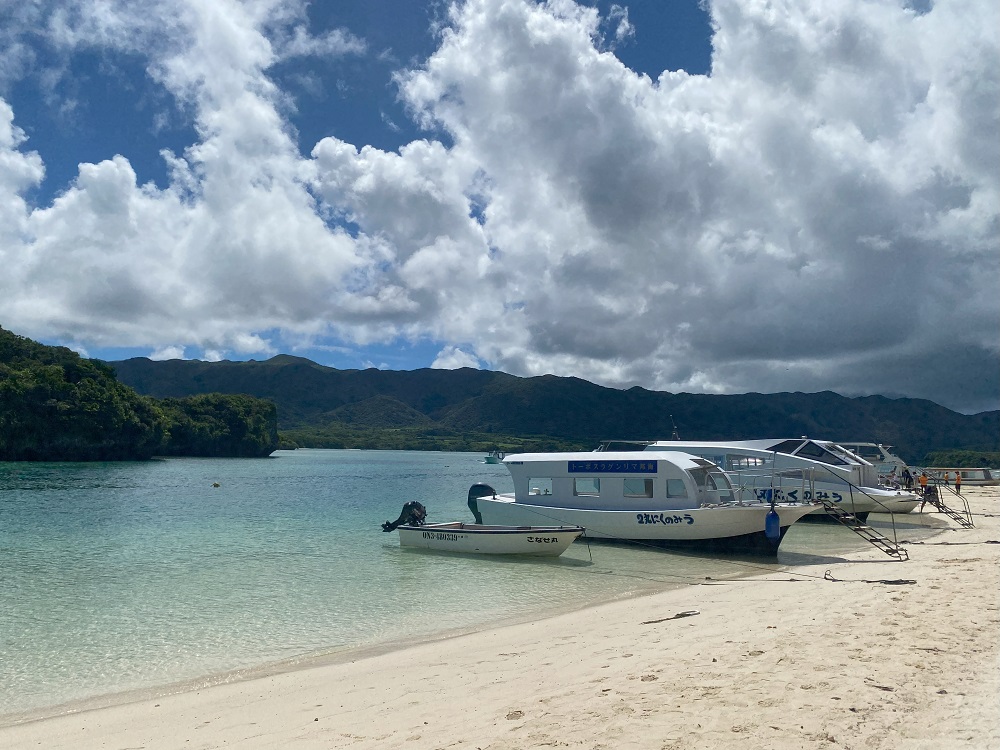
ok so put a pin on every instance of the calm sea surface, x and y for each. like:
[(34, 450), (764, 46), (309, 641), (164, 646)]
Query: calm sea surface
[(136, 575)]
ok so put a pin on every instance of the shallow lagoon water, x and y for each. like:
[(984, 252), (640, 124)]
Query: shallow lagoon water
[(129, 576)]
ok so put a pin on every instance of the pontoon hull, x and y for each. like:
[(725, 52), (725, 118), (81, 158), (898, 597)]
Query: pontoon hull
[(721, 528)]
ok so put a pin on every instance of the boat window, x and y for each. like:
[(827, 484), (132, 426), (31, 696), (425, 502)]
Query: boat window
[(540, 486), (787, 446), (843, 453), (586, 486), (721, 482), (700, 476), (869, 453), (736, 462), (819, 453), (676, 488), (638, 487)]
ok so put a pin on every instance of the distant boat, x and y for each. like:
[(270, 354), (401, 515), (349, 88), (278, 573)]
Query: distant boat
[(481, 539), (978, 477), (494, 457)]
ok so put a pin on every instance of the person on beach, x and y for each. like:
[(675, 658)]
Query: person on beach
[(958, 482), (922, 479), (946, 482)]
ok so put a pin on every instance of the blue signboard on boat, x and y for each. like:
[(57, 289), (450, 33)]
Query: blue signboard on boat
[(612, 467)]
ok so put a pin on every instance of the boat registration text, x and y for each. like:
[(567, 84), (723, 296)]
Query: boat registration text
[(442, 536)]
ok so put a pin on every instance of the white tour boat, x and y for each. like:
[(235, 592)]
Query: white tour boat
[(799, 469), (664, 499)]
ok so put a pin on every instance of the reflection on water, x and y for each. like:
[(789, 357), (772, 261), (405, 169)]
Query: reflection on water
[(128, 575)]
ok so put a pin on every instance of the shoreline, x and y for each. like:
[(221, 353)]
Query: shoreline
[(853, 662)]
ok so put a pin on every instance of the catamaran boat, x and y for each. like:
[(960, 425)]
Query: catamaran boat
[(799, 470), (667, 498)]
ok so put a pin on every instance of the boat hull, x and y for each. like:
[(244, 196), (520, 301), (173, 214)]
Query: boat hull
[(735, 528), (490, 539), (860, 501)]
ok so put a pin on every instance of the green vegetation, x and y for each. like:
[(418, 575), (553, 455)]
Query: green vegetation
[(337, 435), (57, 406), (964, 459), (220, 425), (477, 410)]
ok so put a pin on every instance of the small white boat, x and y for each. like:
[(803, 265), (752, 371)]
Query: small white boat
[(494, 457), (481, 539)]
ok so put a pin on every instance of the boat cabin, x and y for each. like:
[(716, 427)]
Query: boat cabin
[(665, 480)]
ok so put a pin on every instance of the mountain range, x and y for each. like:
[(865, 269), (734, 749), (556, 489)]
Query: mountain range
[(310, 396)]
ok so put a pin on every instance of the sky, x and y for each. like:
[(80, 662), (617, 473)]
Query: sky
[(729, 196)]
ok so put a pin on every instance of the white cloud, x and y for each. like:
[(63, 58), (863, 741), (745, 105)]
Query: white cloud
[(820, 213), (453, 358), (167, 352)]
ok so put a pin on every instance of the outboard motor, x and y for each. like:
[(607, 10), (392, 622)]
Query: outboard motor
[(477, 491), (413, 514)]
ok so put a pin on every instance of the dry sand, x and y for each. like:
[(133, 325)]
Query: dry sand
[(766, 663)]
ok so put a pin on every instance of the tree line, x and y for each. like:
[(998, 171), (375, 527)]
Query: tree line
[(58, 406)]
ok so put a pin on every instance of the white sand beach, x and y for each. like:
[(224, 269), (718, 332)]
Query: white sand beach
[(780, 661)]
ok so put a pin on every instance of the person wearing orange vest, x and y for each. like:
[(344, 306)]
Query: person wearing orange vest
[(922, 479), (946, 479), (958, 482)]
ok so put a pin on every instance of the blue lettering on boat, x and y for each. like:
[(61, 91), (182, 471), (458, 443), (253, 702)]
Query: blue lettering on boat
[(644, 519), (611, 467)]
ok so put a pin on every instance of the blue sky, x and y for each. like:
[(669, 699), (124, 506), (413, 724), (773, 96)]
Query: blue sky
[(721, 197)]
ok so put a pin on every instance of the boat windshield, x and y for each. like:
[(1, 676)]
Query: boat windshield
[(788, 446), (714, 483), (817, 452), (841, 452)]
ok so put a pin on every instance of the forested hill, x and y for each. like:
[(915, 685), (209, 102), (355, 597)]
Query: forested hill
[(58, 406), (346, 405)]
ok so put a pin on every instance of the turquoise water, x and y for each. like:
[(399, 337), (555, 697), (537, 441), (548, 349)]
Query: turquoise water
[(129, 576)]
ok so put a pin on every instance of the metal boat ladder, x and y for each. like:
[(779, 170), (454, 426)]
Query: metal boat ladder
[(934, 497), (855, 524)]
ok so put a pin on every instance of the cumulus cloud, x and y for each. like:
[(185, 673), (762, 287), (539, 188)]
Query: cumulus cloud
[(821, 212), (167, 352), (452, 358)]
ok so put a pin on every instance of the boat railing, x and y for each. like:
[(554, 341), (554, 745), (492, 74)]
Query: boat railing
[(935, 496)]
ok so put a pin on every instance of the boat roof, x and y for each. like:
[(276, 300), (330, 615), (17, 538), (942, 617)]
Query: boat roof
[(959, 468), (678, 458), (788, 446)]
